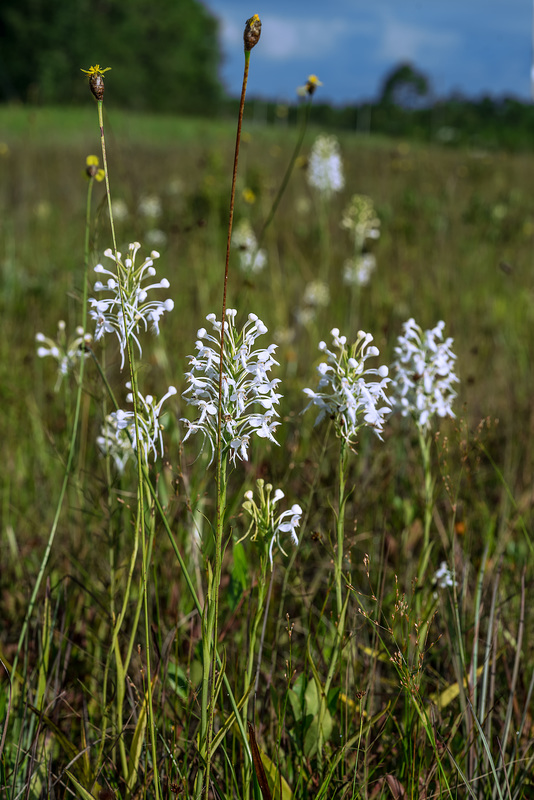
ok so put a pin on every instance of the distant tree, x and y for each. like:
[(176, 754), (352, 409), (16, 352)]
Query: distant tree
[(405, 87), (164, 54)]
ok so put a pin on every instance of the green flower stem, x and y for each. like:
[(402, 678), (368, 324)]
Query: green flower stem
[(340, 526), (140, 465), (183, 566), (287, 176), (425, 443), (262, 583)]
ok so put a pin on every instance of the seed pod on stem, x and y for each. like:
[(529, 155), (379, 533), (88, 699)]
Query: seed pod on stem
[(252, 33), (96, 80)]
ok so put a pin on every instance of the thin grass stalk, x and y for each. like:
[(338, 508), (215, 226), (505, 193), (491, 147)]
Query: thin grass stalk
[(72, 445), (486, 674), (285, 180), (515, 675)]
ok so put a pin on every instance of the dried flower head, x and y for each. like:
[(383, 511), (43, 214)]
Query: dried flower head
[(252, 32)]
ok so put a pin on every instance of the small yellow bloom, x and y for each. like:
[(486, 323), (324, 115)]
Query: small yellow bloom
[(92, 170), (310, 86), (96, 70), (96, 80), (249, 197)]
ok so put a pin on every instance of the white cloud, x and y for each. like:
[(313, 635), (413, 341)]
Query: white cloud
[(285, 38), (403, 41)]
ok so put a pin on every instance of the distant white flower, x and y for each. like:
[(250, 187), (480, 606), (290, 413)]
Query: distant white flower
[(150, 206), (345, 393), (115, 442), (358, 271), (267, 523), (325, 169), (443, 577), (249, 397), (423, 374), (118, 435), (107, 312), (67, 353), (156, 237), (119, 210), (251, 260), (316, 294)]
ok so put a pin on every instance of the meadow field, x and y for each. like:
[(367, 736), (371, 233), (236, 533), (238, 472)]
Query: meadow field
[(390, 654)]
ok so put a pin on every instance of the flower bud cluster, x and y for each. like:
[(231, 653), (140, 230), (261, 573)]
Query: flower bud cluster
[(423, 374), (248, 398), (360, 218), (139, 311), (350, 393), (266, 522)]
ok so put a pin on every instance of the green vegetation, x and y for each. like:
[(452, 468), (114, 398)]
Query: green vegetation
[(374, 682), (165, 53)]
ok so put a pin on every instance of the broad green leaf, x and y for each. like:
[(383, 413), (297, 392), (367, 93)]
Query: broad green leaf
[(312, 698), (274, 779)]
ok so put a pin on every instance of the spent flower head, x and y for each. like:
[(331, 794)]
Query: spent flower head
[(67, 352), (325, 169), (119, 429), (139, 311), (249, 396), (423, 376), (267, 522), (350, 393)]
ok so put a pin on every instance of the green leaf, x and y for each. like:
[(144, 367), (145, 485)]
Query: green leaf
[(312, 698), (84, 794), (275, 779), (312, 734)]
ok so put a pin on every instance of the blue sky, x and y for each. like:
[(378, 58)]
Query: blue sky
[(474, 46)]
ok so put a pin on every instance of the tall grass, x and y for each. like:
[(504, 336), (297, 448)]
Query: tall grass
[(360, 676)]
